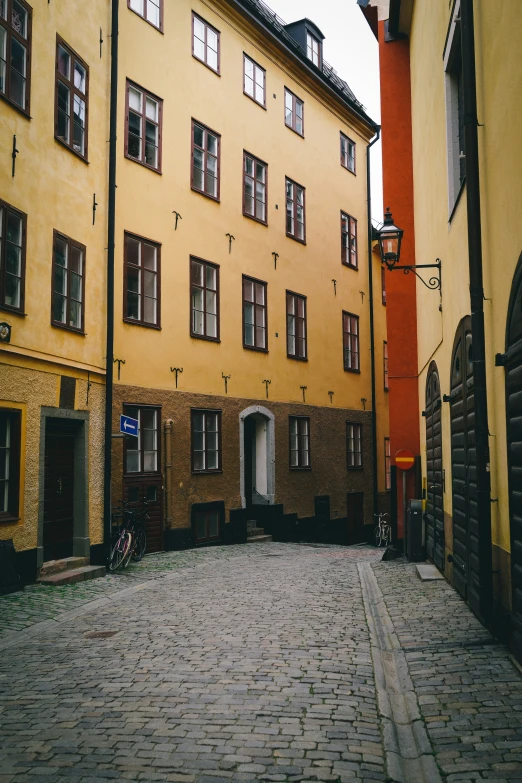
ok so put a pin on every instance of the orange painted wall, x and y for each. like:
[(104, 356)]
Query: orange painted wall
[(401, 314)]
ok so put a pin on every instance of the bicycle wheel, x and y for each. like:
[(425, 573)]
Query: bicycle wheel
[(119, 551), (378, 535), (385, 535), (140, 545), (127, 557)]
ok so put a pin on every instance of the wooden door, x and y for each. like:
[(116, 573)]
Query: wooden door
[(148, 490), (434, 497), (58, 517), (355, 515)]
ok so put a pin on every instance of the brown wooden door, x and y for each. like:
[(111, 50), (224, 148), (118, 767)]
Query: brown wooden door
[(434, 500), (148, 490), (58, 521), (355, 515)]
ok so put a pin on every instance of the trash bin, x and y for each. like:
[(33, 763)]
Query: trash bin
[(415, 545)]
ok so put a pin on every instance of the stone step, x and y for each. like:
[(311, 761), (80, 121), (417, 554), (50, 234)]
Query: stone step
[(258, 539), (73, 575), (67, 564), (255, 531)]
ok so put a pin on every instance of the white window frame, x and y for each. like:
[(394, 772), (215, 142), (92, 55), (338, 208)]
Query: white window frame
[(452, 110)]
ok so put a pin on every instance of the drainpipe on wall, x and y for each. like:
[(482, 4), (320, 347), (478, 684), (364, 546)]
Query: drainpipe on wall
[(168, 474), (110, 280), (372, 326), (477, 307)]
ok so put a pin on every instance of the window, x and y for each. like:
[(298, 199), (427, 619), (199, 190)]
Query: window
[(72, 91), (254, 81), (294, 112), (206, 441), (351, 341), (296, 326), (15, 50), (206, 525), (143, 131), (299, 441), (349, 240), (204, 299), (454, 110), (347, 153), (353, 445), (254, 188), (387, 464), (205, 43), (141, 281), (385, 361), (313, 49), (68, 283), (205, 160), (142, 453), (383, 284), (12, 257), (254, 314), (9, 464), (295, 211), (150, 10)]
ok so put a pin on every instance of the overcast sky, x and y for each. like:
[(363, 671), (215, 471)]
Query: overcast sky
[(351, 48)]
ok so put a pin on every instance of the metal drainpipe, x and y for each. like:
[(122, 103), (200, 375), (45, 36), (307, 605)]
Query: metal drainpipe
[(109, 377), (372, 326), (477, 306), (168, 474)]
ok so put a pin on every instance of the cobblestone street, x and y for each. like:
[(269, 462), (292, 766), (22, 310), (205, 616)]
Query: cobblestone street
[(278, 662)]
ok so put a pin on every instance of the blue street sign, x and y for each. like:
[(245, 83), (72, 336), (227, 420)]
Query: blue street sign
[(129, 426)]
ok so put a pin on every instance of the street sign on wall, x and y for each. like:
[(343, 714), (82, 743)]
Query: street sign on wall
[(404, 459), (129, 426)]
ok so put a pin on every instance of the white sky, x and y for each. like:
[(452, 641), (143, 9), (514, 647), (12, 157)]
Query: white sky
[(350, 47)]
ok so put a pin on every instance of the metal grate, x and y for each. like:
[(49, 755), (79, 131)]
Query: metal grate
[(100, 634)]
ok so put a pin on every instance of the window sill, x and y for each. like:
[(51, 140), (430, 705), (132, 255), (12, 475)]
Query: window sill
[(296, 239), (64, 144), (457, 200), (350, 266), (9, 520), (354, 467), (301, 135), (141, 163), (217, 72), (71, 329), (12, 310), (207, 195), (255, 348), (297, 358), (347, 169), (299, 468), (131, 321), (256, 220), (137, 475), (351, 369), (16, 107), (261, 105), (159, 29), (204, 337), (206, 472)]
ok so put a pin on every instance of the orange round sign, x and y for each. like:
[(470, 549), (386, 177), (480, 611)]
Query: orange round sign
[(404, 459)]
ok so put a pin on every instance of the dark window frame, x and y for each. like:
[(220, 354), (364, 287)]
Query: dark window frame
[(145, 94), (293, 124), (194, 334), (256, 65), (3, 228), (215, 30), (69, 83), (304, 319), (255, 281), (129, 442), (385, 365), (294, 210), (205, 412), (13, 502), (345, 159), (27, 44), (217, 197), (205, 509), (144, 15), (387, 464), (265, 165), (351, 334), (346, 250), (140, 321), (383, 285), (357, 438), (70, 242), (300, 435), (319, 43)]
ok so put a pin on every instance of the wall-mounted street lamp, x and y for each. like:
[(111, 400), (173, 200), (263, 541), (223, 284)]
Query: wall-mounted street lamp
[(390, 239)]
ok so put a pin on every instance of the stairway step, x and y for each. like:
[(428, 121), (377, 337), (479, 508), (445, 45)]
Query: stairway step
[(73, 575), (67, 564), (255, 531), (258, 539)]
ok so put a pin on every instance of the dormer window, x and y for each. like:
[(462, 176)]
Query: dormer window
[(313, 49)]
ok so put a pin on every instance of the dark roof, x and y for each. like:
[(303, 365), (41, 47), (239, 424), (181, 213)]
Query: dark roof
[(308, 24), (275, 25)]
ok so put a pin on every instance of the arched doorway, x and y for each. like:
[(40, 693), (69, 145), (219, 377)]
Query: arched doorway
[(434, 496), (513, 364), (257, 456)]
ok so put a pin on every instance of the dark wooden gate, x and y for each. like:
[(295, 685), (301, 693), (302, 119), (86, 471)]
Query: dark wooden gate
[(148, 490), (434, 496), (355, 516), (58, 515)]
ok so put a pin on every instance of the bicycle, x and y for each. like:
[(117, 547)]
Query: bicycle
[(131, 541), (383, 530)]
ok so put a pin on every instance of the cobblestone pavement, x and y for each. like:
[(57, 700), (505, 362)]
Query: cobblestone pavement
[(247, 663)]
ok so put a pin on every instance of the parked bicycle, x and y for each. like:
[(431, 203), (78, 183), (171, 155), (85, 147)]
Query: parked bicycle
[(383, 530), (130, 538)]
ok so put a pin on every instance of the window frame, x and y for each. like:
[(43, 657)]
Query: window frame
[(387, 464), (13, 503), (347, 156), (313, 40), (385, 365), (70, 242), (454, 114), (300, 435), (265, 165), (146, 94), (305, 319), (346, 251), (127, 442), (383, 285), (144, 16), (294, 210), (255, 281), (205, 510), (140, 321), (256, 65), (215, 30), (3, 241), (205, 412), (27, 44), (294, 112), (73, 91), (357, 440), (217, 197), (197, 336), (356, 369)]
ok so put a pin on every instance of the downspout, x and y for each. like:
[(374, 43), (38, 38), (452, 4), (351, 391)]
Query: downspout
[(109, 377), (168, 474), (375, 492), (477, 308)]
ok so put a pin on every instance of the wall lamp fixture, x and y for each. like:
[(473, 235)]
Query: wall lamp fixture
[(390, 240)]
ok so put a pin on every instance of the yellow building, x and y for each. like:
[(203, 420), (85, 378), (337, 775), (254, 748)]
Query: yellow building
[(54, 110), (242, 329), (467, 173)]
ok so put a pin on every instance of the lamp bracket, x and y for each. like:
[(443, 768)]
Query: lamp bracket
[(434, 283)]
